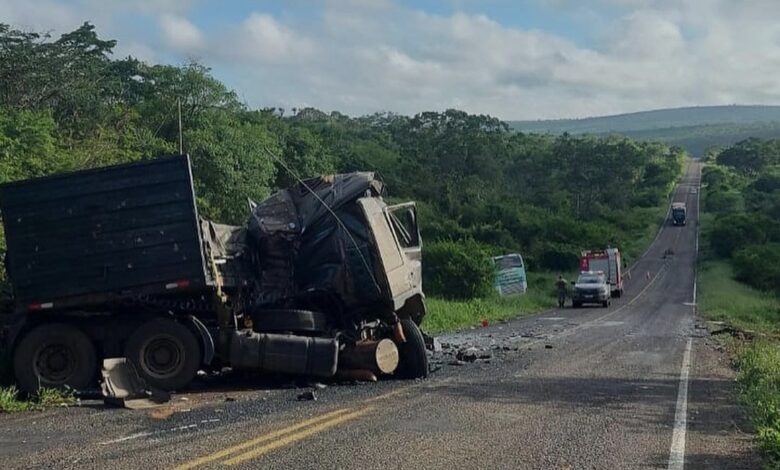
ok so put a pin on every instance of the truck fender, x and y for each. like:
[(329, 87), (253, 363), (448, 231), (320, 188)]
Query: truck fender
[(413, 308), (205, 339)]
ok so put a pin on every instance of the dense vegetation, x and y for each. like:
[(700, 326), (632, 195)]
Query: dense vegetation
[(483, 189), (740, 275), (743, 194)]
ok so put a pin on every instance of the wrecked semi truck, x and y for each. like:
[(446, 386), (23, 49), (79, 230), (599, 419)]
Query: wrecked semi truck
[(322, 279)]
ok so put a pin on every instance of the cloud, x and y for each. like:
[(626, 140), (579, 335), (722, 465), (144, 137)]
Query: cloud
[(263, 39), (180, 34), (365, 56)]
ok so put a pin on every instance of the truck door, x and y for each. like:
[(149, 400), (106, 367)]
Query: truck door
[(397, 239)]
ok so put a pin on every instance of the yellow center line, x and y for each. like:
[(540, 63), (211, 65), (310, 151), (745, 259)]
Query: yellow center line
[(287, 440), (386, 395), (259, 440)]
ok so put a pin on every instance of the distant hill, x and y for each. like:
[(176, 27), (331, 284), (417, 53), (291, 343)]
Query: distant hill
[(695, 128)]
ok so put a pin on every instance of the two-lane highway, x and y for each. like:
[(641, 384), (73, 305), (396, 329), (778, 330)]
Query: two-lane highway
[(633, 386)]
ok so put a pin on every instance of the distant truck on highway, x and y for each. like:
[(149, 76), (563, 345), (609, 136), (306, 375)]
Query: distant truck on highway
[(116, 262), (679, 212), (608, 262)]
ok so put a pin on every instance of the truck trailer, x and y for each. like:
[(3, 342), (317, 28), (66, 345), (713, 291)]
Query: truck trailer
[(322, 279)]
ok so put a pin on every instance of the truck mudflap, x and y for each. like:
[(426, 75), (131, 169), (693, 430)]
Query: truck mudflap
[(288, 354), (206, 341)]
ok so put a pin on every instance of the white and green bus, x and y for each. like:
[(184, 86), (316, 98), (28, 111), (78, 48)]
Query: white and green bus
[(510, 275)]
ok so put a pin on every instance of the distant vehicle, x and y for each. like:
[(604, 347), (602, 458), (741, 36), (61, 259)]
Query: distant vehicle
[(591, 287), (607, 261), (678, 213), (510, 275)]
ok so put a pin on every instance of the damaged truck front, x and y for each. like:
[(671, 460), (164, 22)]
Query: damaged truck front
[(323, 279)]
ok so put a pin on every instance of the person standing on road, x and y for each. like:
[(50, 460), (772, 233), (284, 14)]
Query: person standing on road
[(561, 284)]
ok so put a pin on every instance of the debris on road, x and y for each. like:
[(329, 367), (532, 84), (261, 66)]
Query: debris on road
[(467, 355), (548, 346), (307, 396), (123, 387)]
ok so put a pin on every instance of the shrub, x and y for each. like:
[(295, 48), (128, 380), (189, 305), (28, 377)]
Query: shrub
[(457, 269), (730, 233), (759, 266)]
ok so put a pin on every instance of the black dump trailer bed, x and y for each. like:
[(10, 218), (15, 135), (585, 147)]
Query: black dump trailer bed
[(94, 236)]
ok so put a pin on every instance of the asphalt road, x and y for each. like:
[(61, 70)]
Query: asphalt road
[(637, 385)]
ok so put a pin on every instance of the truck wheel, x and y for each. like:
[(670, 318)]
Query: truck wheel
[(165, 353), (605, 304), (575, 304), (55, 355), (413, 359)]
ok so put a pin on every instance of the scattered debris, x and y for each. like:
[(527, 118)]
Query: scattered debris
[(467, 355), (123, 387), (457, 362), (162, 413), (307, 396), (548, 346)]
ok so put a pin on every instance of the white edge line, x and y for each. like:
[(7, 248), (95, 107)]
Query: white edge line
[(127, 438), (677, 451)]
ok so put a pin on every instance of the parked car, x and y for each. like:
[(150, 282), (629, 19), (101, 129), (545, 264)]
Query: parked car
[(591, 287)]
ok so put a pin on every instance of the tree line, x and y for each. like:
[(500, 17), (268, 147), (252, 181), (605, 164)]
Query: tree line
[(66, 103), (743, 193)]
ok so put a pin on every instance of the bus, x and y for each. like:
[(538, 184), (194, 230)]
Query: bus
[(510, 275)]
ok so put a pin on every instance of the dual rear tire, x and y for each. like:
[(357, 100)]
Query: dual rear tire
[(165, 353)]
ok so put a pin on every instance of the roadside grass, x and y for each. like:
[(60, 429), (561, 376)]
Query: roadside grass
[(10, 400), (759, 386), (451, 315), (723, 298)]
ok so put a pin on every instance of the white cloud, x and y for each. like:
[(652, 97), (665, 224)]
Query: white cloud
[(264, 39), (180, 34), (365, 56)]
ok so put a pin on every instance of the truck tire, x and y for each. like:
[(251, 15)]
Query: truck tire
[(413, 358), (605, 304), (575, 304), (294, 321), (165, 353), (55, 355)]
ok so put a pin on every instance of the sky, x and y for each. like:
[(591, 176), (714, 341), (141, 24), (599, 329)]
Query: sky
[(513, 59)]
